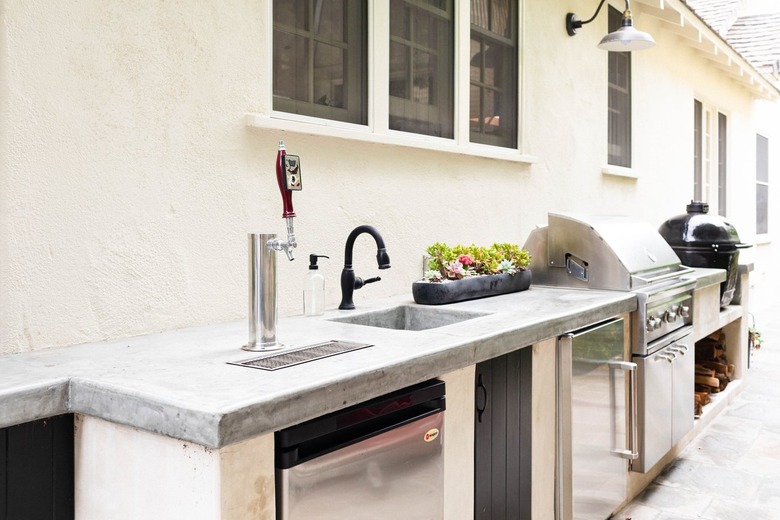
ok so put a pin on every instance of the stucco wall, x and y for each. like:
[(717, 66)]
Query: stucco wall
[(129, 177)]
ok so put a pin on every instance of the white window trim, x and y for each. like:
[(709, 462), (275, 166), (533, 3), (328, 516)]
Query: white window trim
[(619, 171), (377, 130)]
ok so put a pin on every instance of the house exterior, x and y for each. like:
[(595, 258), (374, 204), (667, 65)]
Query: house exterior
[(138, 140)]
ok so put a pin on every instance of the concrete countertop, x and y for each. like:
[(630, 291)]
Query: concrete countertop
[(179, 383)]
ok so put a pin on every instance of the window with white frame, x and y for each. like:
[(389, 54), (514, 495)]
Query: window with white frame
[(322, 65), (762, 185), (422, 60), (320, 50), (618, 100), (710, 148)]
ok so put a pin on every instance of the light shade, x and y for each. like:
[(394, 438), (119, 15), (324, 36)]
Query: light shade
[(626, 39)]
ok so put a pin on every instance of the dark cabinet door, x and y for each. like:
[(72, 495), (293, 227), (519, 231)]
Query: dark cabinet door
[(36, 470), (502, 438)]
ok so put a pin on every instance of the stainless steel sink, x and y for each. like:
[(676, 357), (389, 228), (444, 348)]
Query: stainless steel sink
[(409, 317)]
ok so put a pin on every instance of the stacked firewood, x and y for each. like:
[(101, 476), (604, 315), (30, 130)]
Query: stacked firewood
[(713, 371)]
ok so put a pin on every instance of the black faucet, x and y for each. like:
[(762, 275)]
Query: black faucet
[(349, 282)]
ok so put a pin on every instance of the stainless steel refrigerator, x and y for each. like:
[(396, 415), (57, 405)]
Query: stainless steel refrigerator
[(380, 460), (596, 421)]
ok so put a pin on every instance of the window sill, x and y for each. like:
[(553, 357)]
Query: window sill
[(762, 240), (322, 127), (619, 171)]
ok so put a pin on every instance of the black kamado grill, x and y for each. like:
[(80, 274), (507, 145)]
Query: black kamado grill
[(704, 240)]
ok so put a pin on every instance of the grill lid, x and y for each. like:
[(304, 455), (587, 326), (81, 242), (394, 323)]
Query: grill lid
[(600, 252), (698, 229)]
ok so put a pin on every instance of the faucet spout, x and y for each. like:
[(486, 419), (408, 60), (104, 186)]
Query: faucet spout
[(277, 244), (349, 282)]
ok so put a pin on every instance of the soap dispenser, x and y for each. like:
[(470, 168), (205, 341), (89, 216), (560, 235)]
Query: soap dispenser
[(314, 288)]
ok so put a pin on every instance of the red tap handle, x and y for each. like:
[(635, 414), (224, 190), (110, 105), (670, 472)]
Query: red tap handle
[(286, 194)]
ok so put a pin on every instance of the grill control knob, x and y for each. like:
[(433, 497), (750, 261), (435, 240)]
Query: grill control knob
[(685, 311), (670, 317), (654, 323), (650, 324)]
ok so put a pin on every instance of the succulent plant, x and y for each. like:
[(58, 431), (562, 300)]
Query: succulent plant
[(455, 263)]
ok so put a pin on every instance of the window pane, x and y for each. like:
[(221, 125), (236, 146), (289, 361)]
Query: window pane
[(722, 147), (762, 188), (493, 61), (762, 158), (426, 29), (292, 13), (291, 69), (490, 112), (328, 75), (697, 151), (476, 60), (619, 100), (399, 19), (475, 110), (500, 16), (493, 73), (424, 82), (762, 209), (319, 52), (479, 14), (421, 67), (329, 20), (399, 70)]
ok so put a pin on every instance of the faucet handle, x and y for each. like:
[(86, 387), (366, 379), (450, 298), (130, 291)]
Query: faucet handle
[(359, 282)]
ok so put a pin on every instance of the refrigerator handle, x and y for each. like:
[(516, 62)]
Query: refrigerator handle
[(563, 467), (632, 452)]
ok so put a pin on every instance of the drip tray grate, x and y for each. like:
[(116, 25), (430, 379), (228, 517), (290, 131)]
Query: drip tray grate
[(302, 355)]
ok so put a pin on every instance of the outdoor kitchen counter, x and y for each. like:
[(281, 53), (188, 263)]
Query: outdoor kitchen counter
[(179, 384)]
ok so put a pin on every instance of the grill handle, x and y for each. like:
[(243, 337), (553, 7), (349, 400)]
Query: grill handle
[(660, 278)]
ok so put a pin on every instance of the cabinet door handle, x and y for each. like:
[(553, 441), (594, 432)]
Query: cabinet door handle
[(481, 408), (631, 453)]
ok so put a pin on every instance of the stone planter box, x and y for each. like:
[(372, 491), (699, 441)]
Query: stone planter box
[(430, 293)]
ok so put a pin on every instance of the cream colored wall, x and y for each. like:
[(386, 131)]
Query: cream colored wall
[(130, 179)]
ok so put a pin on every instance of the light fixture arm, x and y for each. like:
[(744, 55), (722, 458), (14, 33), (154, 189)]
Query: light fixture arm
[(624, 39), (573, 23)]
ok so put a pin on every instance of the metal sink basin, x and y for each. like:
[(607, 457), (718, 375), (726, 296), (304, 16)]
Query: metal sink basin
[(410, 317)]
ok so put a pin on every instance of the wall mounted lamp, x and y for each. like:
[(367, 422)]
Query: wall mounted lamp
[(625, 39)]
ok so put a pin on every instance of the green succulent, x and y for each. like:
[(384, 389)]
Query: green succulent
[(454, 262)]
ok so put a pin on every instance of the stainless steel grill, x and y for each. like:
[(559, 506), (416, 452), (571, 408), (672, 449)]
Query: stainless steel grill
[(616, 253), (623, 254)]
